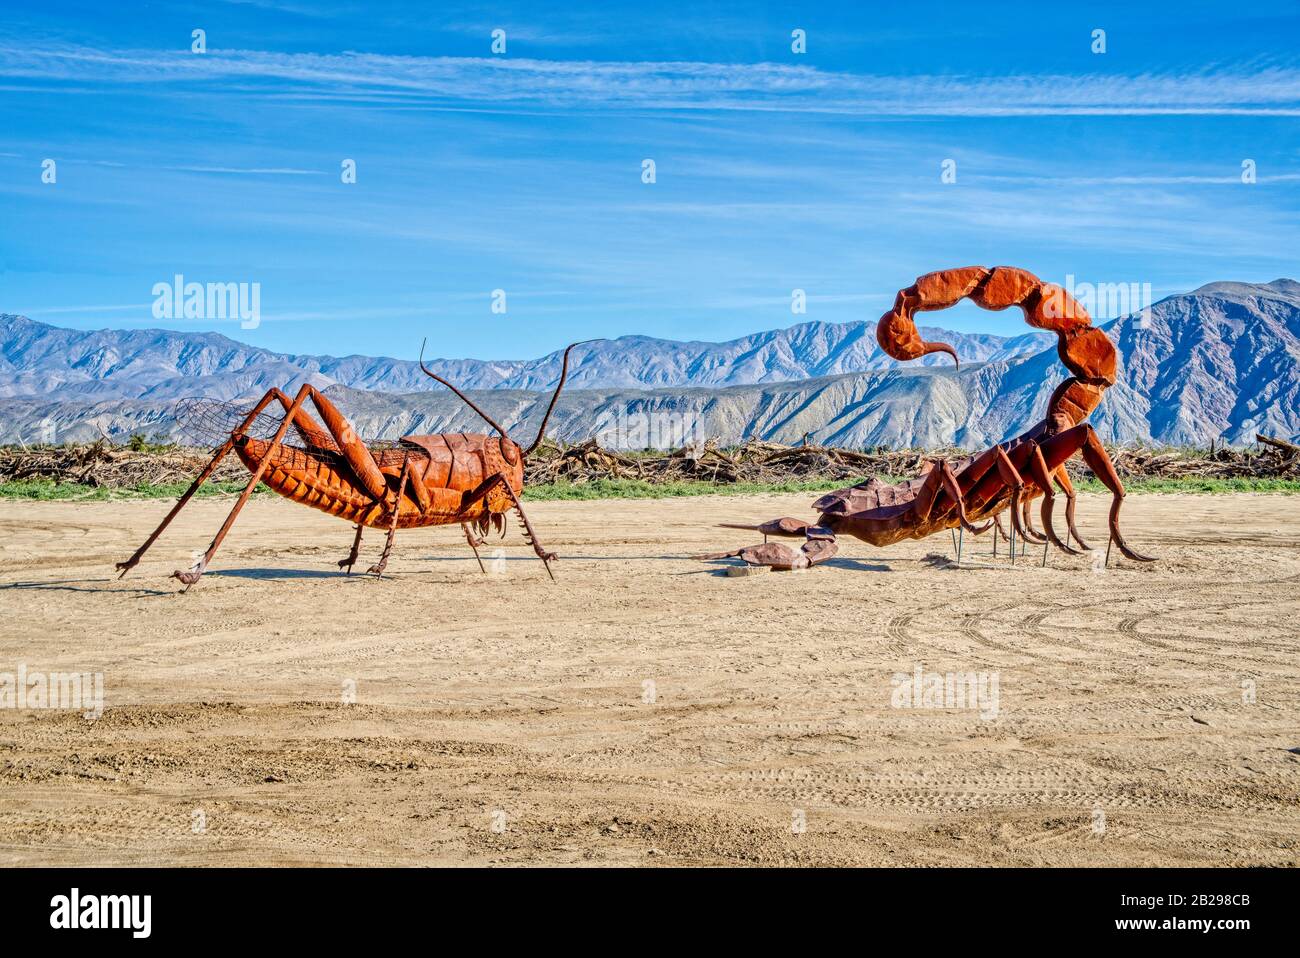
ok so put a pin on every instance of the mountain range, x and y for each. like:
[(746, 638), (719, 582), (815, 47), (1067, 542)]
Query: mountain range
[(37, 359), (1219, 363)]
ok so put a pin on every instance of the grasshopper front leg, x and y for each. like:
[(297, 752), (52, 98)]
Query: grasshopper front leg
[(495, 482)]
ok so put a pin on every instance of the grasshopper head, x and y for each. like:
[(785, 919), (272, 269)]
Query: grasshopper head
[(510, 450)]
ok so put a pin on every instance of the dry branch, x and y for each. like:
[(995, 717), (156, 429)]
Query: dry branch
[(102, 464)]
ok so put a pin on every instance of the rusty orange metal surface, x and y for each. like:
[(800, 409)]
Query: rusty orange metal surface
[(470, 479), (1006, 477)]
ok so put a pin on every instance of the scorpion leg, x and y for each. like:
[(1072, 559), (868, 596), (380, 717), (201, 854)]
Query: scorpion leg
[(1067, 487), (1027, 525), (820, 545), (1011, 476), (351, 560), (1094, 454), (950, 483), (474, 543), (1042, 477), (377, 570)]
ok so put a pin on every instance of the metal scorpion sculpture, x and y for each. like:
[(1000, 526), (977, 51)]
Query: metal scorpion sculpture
[(466, 478), (1008, 476)]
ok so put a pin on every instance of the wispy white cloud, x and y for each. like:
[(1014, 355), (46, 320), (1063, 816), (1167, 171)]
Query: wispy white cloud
[(264, 171), (237, 170), (1155, 221), (87, 309), (278, 6), (1154, 180), (667, 85), (526, 33)]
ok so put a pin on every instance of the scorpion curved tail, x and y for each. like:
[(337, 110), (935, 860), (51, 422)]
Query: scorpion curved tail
[(564, 374), (911, 511), (1084, 350)]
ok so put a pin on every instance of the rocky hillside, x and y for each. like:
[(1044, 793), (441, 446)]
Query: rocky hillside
[(1220, 363), (37, 359)]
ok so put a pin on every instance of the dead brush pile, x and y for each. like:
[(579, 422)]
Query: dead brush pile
[(767, 462), (1270, 459), (102, 464), (754, 461)]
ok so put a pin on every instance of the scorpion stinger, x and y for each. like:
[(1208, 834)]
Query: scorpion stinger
[(1006, 477)]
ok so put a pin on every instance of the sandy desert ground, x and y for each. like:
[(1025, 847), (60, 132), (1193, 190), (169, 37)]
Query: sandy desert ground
[(645, 709)]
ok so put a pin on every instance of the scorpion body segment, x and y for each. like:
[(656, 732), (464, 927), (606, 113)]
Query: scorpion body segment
[(1083, 349)]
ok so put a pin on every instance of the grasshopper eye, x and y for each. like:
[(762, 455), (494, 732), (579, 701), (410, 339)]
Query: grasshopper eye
[(509, 451)]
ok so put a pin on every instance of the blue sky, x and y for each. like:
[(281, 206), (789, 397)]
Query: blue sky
[(522, 172)]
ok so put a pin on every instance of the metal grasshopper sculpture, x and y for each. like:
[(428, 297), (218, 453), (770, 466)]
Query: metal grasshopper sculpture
[(1007, 476), (466, 478)]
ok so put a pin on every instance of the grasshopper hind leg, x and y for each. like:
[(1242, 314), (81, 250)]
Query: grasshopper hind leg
[(351, 560)]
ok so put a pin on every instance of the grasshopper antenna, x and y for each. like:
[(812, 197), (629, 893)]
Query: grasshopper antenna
[(468, 402), (564, 374)]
